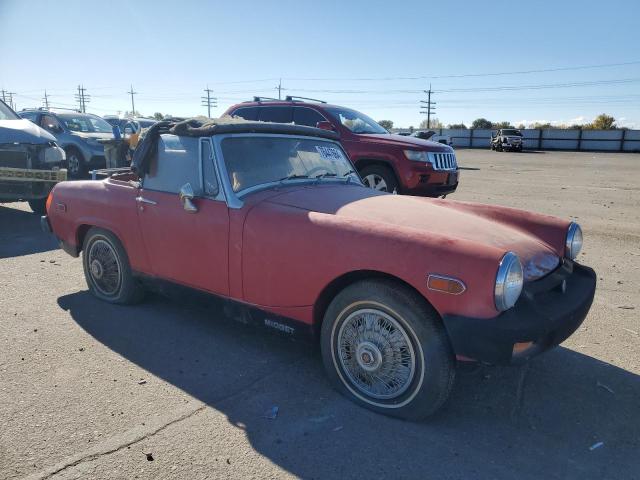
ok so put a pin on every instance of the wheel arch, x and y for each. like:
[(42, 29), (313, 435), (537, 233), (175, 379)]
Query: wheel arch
[(343, 281), (361, 163)]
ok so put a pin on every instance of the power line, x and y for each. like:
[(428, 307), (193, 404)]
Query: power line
[(465, 75), (209, 101)]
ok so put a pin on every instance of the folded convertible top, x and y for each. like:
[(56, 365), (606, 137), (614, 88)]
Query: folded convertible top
[(148, 146)]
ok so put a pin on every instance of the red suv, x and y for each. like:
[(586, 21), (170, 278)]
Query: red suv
[(385, 161)]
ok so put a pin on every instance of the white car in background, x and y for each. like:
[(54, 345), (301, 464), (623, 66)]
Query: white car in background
[(429, 135)]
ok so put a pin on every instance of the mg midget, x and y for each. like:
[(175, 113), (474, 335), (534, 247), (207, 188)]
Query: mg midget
[(273, 218)]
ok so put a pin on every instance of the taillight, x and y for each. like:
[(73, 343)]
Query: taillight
[(48, 202)]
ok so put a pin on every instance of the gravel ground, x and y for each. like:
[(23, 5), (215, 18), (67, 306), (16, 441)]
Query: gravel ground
[(164, 390)]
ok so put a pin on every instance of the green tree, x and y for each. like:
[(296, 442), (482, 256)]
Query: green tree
[(158, 116), (502, 125), (603, 122), (386, 124), (434, 123), (482, 123), (457, 126)]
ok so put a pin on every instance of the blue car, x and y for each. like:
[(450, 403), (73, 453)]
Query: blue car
[(78, 134)]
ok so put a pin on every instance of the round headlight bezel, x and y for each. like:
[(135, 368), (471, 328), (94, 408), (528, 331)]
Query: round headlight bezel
[(573, 242), (507, 293)]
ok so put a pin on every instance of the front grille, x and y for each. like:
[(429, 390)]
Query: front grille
[(443, 161), (14, 159)]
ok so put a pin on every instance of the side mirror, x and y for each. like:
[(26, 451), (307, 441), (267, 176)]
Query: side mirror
[(186, 198), (324, 125)]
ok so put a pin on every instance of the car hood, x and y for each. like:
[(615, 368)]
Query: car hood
[(95, 135), (431, 216), (23, 131), (405, 142)]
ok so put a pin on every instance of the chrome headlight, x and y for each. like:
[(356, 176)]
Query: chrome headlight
[(509, 282), (573, 244), (416, 156)]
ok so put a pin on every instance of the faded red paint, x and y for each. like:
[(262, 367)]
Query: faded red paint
[(284, 246)]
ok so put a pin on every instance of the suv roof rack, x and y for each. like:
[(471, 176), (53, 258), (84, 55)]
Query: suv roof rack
[(293, 98), (267, 99)]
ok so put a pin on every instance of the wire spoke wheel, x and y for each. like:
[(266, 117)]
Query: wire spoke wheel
[(376, 182), (73, 163), (104, 267), (376, 354)]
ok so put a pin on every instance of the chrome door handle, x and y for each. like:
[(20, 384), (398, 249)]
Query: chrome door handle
[(144, 200)]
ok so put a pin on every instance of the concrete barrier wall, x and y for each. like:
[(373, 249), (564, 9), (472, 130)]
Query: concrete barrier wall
[(551, 139)]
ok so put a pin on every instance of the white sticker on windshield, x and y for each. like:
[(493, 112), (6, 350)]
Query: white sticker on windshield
[(330, 153)]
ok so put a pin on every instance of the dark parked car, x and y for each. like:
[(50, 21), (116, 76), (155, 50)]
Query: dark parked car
[(386, 162), (78, 134), (30, 161)]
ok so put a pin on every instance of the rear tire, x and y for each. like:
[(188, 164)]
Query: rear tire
[(379, 177), (38, 206), (107, 269), (384, 347)]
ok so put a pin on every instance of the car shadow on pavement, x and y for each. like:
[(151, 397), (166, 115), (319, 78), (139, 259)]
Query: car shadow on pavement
[(564, 415), (20, 233)]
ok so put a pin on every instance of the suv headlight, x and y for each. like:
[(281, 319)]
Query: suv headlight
[(509, 282), (416, 156), (573, 244)]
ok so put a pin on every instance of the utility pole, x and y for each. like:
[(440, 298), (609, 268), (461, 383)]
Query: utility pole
[(46, 100), (428, 107), (133, 105), (4, 92), (11, 104), (209, 101), (82, 98), (279, 87)]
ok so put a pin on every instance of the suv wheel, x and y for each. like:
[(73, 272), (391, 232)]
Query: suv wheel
[(379, 178), (386, 349), (76, 166)]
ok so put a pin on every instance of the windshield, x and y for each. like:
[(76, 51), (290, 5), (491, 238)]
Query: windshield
[(355, 121), (258, 160), (512, 132), (85, 123), (6, 113)]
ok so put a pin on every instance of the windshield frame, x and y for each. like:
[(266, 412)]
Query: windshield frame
[(234, 199), (333, 111), (66, 116)]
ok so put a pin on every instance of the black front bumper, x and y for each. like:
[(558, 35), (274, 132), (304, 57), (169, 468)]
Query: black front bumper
[(547, 313)]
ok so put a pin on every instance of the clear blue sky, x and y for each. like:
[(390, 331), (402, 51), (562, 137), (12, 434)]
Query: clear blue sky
[(354, 53)]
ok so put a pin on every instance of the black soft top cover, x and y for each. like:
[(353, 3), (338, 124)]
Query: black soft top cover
[(147, 148)]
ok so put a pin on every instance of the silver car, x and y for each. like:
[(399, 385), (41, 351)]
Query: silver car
[(78, 134)]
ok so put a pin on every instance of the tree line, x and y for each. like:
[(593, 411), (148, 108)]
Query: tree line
[(601, 122)]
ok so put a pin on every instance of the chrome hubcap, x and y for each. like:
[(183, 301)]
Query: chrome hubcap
[(376, 182), (376, 354), (74, 164), (104, 267)]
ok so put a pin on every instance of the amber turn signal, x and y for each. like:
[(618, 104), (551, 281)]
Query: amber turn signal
[(48, 202), (444, 284)]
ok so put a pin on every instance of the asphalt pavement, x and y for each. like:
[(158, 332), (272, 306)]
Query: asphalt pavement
[(169, 389)]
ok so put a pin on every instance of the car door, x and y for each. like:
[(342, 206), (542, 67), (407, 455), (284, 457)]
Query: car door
[(190, 248)]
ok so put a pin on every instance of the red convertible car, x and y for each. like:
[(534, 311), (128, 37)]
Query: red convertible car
[(273, 217)]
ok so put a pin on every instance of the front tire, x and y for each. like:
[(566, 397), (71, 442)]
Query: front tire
[(107, 269), (76, 165), (379, 177), (384, 347)]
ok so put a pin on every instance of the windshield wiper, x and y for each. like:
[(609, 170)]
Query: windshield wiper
[(326, 174), (293, 176)]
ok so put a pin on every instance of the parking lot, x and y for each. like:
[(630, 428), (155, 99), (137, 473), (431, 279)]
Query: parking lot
[(168, 390)]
